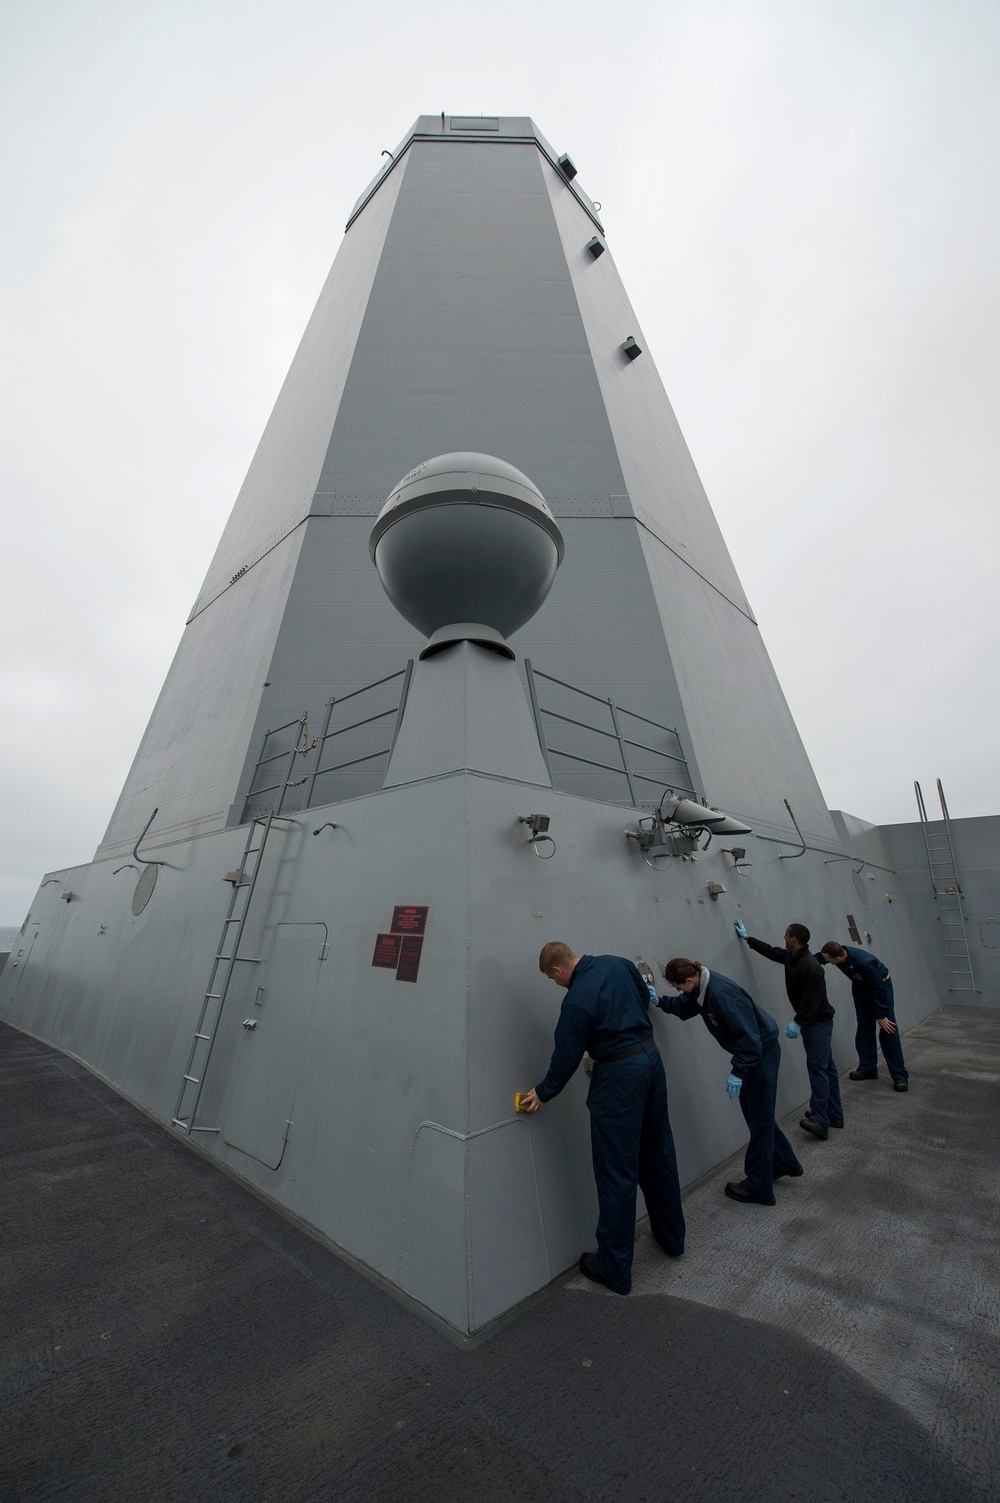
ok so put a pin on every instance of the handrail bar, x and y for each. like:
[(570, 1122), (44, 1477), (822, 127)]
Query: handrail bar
[(353, 762), (611, 736), (275, 729), (643, 777), (369, 720), (569, 720), (597, 698), (619, 772), (365, 688), (655, 750), (275, 756)]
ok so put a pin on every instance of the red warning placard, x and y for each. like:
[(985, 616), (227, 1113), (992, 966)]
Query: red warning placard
[(409, 957), (407, 919), (387, 951)]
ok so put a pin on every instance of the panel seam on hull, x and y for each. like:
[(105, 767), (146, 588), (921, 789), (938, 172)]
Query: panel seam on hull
[(268, 546), (492, 140), (652, 528), (181, 830), (363, 506)]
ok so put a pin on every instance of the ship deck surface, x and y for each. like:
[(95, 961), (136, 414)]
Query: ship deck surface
[(169, 1336)]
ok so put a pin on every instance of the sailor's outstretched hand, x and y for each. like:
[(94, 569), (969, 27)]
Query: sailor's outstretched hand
[(529, 1102)]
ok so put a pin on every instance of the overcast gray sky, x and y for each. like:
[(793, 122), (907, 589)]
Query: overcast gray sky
[(802, 199)]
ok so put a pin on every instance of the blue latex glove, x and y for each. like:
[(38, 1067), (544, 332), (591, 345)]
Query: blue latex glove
[(733, 1087), (652, 995), (792, 1031), (741, 928)]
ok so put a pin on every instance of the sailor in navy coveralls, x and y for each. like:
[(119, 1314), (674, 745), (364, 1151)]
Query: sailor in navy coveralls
[(606, 1014), (750, 1034), (874, 1007)]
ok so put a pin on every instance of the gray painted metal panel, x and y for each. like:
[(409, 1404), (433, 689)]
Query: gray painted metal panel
[(433, 1260), (750, 755), (192, 755), (507, 1250), (472, 337), (269, 1062), (658, 472), (466, 708), (277, 493)]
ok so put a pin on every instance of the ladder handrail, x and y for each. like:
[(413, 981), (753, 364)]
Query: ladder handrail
[(951, 914), (947, 831), (223, 963), (230, 961)]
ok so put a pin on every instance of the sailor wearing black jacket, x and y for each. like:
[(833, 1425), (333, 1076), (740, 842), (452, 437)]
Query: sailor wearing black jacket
[(750, 1034), (806, 988), (874, 1007)]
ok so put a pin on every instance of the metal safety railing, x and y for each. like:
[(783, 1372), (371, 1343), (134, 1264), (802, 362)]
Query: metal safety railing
[(640, 769), (365, 725), (367, 738), (591, 745)]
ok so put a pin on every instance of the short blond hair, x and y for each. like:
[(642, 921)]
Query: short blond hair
[(554, 953)]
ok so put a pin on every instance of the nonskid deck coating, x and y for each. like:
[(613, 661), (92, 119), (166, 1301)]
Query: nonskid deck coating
[(167, 1336)]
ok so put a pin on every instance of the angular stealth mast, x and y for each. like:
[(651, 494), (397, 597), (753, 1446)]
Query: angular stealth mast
[(472, 306), (327, 978)]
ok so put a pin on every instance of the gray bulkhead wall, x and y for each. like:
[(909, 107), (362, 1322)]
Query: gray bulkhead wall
[(977, 860), (380, 1111), (206, 719), (745, 742)]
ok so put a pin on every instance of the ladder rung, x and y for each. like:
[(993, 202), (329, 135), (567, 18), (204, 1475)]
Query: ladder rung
[(245, 877)]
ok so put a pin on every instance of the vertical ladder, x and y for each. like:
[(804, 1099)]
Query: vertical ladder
[(224, 964), (227, 954), (947, 893)]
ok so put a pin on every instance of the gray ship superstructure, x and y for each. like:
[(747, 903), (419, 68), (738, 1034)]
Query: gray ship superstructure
[(471, 669)]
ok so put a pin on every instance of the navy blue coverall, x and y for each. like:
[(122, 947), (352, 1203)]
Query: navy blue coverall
[(806, 988), (871, 988), (750, 1034), (606, 1013)]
